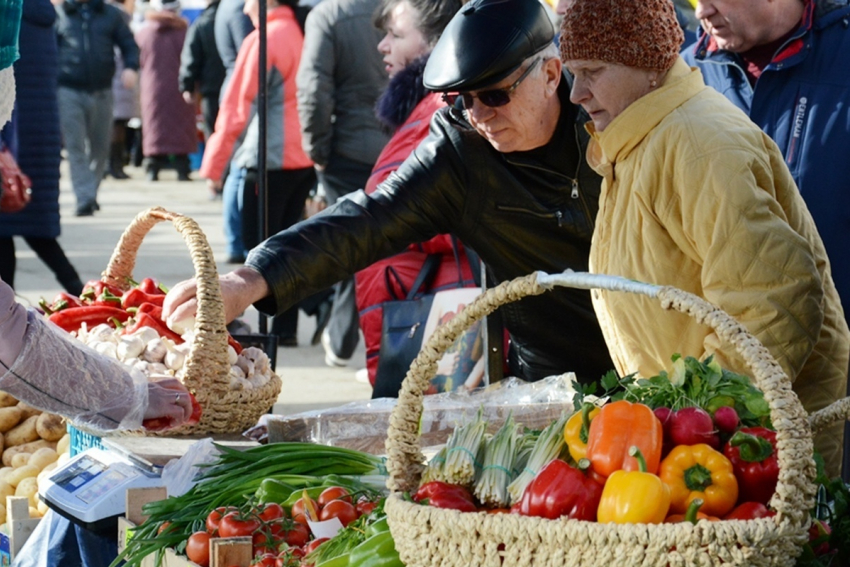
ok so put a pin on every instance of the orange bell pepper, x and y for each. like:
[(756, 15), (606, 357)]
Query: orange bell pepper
[(577, 430), (618, 427), (636, 497), (698, 471)]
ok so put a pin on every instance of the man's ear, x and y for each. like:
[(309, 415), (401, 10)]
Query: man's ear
[(552, 70)]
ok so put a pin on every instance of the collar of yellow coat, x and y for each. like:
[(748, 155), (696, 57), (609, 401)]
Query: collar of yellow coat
[(629, 129)]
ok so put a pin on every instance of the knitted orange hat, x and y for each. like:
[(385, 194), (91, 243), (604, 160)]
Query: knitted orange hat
[(635, 33)]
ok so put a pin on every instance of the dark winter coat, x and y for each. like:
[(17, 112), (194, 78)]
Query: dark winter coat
[(168, 122), (38, 124), (200, 63), (87, 33), (520, 211)]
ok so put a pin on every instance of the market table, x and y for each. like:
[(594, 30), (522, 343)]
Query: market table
[(58, 541)]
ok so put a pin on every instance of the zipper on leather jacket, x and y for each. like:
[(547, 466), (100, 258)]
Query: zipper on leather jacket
[(557, 215)]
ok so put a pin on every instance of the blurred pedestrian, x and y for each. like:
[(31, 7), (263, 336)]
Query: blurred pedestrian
[(201, 69), (340, 79), (87, 32), (39, 145), (168, 122), (125, 107), (290, 171), (232, 26)]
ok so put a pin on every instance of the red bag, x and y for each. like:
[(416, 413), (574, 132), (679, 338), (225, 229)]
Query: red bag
[(15, 191)]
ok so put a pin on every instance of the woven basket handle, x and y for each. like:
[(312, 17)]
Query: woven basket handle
[(795, 489), (207, 363), (836, 411)]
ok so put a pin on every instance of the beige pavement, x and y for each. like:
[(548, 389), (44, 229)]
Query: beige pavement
[(89, 241)]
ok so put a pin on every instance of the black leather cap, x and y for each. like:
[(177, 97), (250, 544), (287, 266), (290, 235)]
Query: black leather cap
[(486, 41)]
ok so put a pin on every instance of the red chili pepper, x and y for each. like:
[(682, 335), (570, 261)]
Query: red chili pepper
[(106, 297), (445, 495), (752, 451), (72, 319), (151, 287), (561, 490), (160, 423), (61, 301), (234, 343), (749, 511), (136, 297), (94, 289)]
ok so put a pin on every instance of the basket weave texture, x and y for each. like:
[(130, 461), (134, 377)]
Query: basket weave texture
[(207, 373), (429, 536)]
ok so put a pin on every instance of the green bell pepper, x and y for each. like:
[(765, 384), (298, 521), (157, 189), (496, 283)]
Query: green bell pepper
[(338, 561), (377, 551), (272, 490), (377, 527)]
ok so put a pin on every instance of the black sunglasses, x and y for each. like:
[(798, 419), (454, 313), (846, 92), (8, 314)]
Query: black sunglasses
[(493, 98)]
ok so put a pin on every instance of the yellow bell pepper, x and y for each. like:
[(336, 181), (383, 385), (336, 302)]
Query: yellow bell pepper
[(577, 429), (698, 471), (635, 497)]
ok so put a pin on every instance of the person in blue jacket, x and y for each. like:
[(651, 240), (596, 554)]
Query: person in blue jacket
[(785, 63)]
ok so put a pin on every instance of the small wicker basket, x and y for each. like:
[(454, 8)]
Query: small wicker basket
[(430, 536), (207, 373)]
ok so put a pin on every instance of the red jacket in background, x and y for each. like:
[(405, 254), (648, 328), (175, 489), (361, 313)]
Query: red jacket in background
[(371, 283)]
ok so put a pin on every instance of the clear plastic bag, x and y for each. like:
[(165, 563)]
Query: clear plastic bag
[(363, 425)]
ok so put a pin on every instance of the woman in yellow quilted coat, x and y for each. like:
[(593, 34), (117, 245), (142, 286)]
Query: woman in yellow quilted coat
[(697, 197)]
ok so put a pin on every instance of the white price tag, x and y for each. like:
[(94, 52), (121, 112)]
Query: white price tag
[(328, 528)]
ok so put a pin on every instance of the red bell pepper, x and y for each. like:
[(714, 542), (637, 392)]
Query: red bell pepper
[(72, 319), (749, 511), (561, 490), (136, 297), (445, 495), (160, 423), (752, 451)]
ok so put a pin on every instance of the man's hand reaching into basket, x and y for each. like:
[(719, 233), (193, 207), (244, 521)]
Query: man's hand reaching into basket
[(239, 289)]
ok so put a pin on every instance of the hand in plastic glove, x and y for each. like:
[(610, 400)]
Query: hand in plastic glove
[(239, 289), (170, 399)]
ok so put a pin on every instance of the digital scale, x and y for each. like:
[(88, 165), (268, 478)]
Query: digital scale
[(90, 489)]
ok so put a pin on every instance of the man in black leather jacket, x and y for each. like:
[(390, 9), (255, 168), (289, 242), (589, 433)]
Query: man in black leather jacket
[(510, 181)]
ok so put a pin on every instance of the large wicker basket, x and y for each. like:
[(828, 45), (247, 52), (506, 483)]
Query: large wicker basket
[(430, 536), (206, 369)]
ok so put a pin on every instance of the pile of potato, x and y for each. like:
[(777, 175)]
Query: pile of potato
[(33, 443)]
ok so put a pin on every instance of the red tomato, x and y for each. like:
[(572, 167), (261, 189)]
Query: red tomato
[(297, 534), (308, 549), (235, 524), (298, 513), (365, 507), (214, 518), (265, 560), (344, 511), (271, 511), (334, 493), (264, 542), (198, 548), (163, 527)]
